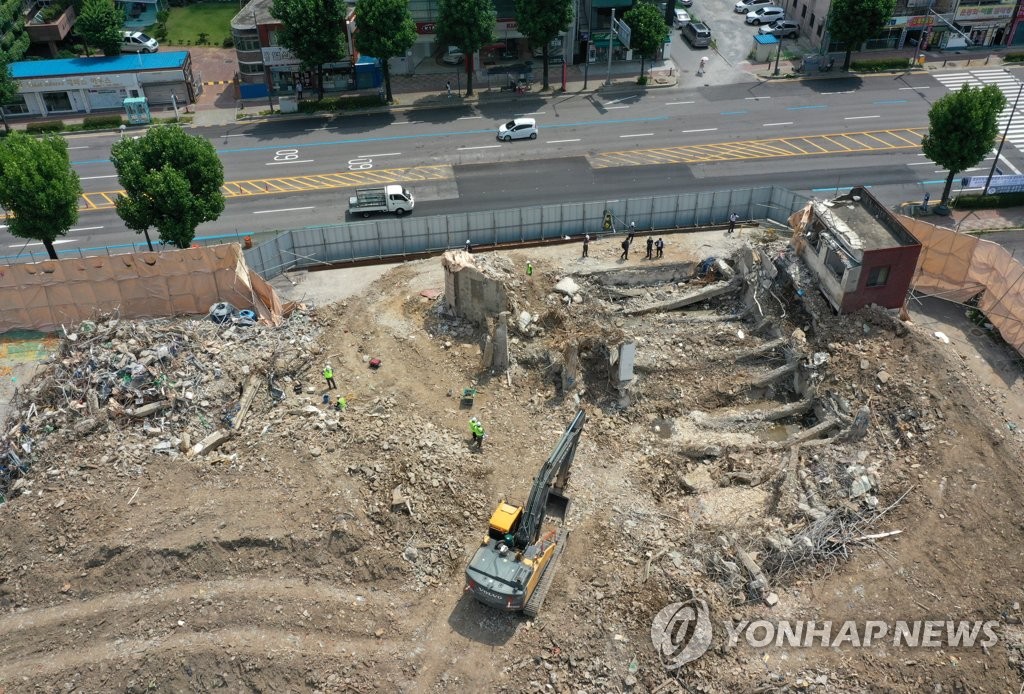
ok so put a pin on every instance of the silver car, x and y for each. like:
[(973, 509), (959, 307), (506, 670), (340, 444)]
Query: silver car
[(137, 42), (744, 6), (766, 15), (783, 28)]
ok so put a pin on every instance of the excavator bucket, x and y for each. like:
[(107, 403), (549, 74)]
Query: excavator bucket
[(558, 505)]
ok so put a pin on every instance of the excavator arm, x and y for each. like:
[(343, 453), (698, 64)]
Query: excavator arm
[(553, 475)]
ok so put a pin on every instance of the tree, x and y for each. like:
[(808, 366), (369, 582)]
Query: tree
[(38, 188), (647, 30), (852, 22), (172, 181), (541, 21), (8, 90), (314, 30), (386, 30), (468, 24), (99, 25), (962, 129)]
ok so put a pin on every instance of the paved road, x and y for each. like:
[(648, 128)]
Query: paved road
[(591, 147)]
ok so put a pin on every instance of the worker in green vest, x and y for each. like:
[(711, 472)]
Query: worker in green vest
[(477, 430), (529, 269), (342, 404), (329, 376)]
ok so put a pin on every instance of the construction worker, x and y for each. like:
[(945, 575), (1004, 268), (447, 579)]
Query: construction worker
[(477, 430), (529, 269), (342, 404), (329, 376)]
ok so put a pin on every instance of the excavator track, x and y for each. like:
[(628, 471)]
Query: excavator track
[(536, 600)]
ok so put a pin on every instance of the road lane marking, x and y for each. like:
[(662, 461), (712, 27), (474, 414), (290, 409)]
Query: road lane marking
[(834, 93), (480, 147), (297, 161), (701, 130), (83, 229), (733, 113), (236, 135), (755, 98), (638, 135), (555, 142), (891, 101), (94, 178), (801, 108), (469, 118), (55, 243), (902, 89), (377, 156), (768, 125), (615, 101), (612, 108), (859, 117), (80, 147), (920, 163), (679, 103), (288, 209), (532, 113)]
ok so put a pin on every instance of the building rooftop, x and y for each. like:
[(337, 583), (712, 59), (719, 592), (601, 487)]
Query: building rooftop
[(243, 21), (130, 62), (862, 222)]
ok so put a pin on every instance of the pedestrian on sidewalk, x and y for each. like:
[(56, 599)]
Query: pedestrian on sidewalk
[(586, 246), (703, 65), (448, 86), (924, 203), (298, 91), (660, 245), (733, 218), (650, 247)]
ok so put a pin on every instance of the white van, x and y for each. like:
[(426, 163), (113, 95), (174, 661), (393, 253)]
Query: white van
[(137, 42)]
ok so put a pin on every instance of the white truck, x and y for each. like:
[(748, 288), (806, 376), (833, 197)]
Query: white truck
[(392, 198)]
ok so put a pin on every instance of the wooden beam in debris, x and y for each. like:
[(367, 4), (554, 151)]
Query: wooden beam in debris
[(248, 393), (703, 294), (774, 375), (763, 349)]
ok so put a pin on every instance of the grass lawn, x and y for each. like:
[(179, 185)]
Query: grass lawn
[(212, 18)]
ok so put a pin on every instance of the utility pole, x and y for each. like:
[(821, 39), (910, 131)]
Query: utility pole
[(611, 42), (778, 54)]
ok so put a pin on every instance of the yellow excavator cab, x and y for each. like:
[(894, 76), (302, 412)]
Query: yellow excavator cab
[(504, 517)]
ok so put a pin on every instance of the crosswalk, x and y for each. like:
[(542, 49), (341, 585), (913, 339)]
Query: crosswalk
[(1009, 85)]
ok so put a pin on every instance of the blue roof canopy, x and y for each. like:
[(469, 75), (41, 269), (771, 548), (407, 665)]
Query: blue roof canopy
[(61, 67)]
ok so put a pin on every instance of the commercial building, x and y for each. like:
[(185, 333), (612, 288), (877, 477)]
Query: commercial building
[(84, 85)]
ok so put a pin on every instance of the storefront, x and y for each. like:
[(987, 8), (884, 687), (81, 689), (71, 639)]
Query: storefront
[(986, 25), (84, 85)]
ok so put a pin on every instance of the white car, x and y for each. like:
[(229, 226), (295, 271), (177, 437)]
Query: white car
[(518, 129), (137, 42), (766, 15), (453, 56), (744, 6), (681, 18)]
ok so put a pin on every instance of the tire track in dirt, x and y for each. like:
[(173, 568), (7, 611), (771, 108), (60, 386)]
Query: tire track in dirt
[(256, 639)]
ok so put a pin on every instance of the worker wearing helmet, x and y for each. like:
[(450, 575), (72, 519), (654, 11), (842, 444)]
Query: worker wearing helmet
[(477, 430), (329, 375)]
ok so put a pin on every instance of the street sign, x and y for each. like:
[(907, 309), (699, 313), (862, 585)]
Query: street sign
[(997, 182), (622, 31)]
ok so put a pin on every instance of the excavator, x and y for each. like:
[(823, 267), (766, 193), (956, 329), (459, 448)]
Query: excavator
[(515, 564)]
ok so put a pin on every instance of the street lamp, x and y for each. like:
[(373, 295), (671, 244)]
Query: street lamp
[(1006, 130)]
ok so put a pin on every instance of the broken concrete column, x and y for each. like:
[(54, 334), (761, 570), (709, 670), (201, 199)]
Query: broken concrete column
[(774, 375), (702, 294), (468, 290), (146, 410), (499, 354), (763, 349), (570, 366)]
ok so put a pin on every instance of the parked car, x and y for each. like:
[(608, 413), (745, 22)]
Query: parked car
[(697, 34), (137, 42), (518, 129), (685, 3), (783, 28), (766, 15), (681, 18), (744, 6), (453, 56)]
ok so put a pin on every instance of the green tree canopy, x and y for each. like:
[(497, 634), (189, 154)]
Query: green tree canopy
[(386, 30), (314, 30), (468, 24), (852, 22), (647, 30), (541, 21), (962, 129), (8, 90), (172, 181), (99, 25), (38, 188)]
